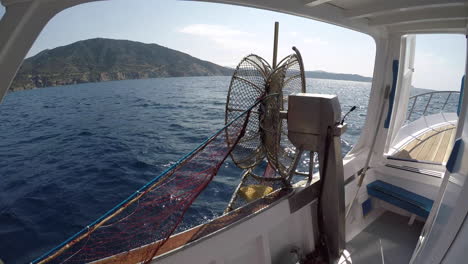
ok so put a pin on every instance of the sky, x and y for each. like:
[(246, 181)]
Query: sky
[(439, 62), (224, 34)]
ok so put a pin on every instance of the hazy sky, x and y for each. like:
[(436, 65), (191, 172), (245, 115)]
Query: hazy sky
[(224, 34)]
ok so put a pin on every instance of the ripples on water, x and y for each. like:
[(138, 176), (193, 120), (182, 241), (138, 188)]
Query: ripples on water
[(69, 154)]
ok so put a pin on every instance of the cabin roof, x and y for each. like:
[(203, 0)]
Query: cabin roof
[(375, 17)]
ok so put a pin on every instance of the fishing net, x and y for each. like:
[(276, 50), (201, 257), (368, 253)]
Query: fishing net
[(149, 217), (266, 133), (254, 130), (288, 78), (247, 84)]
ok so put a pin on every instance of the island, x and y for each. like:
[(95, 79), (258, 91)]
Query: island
[(100, 59)]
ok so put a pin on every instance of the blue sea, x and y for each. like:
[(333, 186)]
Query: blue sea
[(68, 154)]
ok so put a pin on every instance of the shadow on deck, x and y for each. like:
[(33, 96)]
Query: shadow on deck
[(388, 240)]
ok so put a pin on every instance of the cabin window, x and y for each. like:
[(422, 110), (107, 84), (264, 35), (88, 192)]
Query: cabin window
[(426, 133), (355, 63), (439, 67), (95, 111)]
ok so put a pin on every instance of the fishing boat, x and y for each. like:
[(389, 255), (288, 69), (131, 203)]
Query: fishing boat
[(399, 196)]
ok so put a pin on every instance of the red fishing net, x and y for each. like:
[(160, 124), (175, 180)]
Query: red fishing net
[(149, 217)]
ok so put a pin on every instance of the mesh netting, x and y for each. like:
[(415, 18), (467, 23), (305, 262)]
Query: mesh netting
[(287, 79), (247, 84), (253, 130), (151, 215), (293, 83), (266, 134)]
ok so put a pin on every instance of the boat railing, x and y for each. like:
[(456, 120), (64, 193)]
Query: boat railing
[(431, 103)]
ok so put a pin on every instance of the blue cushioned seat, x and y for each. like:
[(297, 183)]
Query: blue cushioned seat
[(400, 197)]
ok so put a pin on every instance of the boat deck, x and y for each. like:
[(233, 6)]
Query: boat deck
[(388, 240), (433, 146)]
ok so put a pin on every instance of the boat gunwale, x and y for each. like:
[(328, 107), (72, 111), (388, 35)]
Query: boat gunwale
[(246, 212)]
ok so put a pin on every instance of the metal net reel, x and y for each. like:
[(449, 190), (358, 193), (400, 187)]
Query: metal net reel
[(286, 79), (248, 84), (266, 134)]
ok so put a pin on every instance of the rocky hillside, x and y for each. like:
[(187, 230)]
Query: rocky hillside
[(337, 76), (96, 60)]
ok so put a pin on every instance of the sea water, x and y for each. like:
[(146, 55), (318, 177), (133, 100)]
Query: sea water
[(68, 154)]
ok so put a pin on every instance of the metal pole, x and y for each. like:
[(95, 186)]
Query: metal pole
[(275, 44), (362, 175), (427, 105), (301, 63), (311, 167), (446, 101), (293, 168), (245, 174), (412, 107)]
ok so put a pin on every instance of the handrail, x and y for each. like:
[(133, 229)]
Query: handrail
[(415, 98)]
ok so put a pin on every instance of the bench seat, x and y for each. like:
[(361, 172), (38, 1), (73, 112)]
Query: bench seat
[(409, 201)]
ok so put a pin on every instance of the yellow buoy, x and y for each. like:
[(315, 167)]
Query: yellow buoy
[(255, 191)]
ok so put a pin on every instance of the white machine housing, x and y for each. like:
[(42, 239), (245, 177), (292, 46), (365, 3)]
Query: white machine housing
[(309, 116), (314, 125)]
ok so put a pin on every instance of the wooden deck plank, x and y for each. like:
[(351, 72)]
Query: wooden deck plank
[(440, 147), (444, 146), (450, 145), (432, 146), (418, 151), (420, 143), (413, 143)]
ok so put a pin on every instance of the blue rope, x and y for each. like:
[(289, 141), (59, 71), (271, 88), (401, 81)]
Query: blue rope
[(143, 188)]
